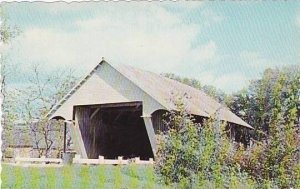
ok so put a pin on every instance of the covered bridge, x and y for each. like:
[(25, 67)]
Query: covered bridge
[(117, 110)]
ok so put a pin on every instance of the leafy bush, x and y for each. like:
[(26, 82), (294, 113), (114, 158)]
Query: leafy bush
[(275, 158), (202, 156), (191, 155)]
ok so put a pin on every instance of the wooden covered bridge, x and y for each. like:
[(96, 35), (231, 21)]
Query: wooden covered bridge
[(117, 111)]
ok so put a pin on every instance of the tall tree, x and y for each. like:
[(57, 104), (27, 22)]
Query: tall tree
[(277, 91), (8, 117), (210, 90)]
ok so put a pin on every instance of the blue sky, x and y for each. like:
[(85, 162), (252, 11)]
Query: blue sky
[(225, 43)]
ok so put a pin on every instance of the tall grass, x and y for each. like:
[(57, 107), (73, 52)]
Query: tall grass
[(75, 176)]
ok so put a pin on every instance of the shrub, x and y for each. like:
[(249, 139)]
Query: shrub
[(191, 155)]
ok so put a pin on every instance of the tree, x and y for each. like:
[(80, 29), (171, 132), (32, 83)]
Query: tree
[(7, 33), (41, 93), (9, 117), (256, 103), (212, 91), (42, 90), (271, 106), (206, 158)]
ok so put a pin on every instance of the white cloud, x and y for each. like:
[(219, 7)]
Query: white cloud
[(207, 77), (145, 36), (231, 82), (228, 82), (231, 73), (255, 61), (205, 53)]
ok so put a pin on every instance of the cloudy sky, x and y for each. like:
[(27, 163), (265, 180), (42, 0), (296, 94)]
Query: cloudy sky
[(225, 43)]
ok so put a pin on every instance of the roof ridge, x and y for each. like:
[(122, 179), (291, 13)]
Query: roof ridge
[(159, 88), (215, 106), (177, 83), (172, 80)]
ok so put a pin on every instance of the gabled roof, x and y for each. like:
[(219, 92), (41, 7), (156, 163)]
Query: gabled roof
[(90, 90), (162, 89)]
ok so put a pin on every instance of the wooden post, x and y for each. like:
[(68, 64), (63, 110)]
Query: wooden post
[(101, 159), (65, 136), (137, 160), (17, 159), (17, 153), (120, 158), (151, 160), (76, 159), (43, 160)]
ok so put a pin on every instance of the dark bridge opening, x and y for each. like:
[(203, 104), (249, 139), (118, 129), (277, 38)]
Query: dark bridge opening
[(113, 130)]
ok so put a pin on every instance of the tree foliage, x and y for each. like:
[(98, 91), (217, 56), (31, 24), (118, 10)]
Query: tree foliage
[(276, 94), (191, 155), (210, 90), (271, 106), (201, 156)]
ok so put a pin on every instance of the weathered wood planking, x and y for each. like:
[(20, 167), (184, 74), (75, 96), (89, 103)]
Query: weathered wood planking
[(158, 118)]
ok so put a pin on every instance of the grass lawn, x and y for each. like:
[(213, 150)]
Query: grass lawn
[(79, 176)]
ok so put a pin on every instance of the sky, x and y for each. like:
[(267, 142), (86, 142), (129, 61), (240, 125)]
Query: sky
[(221, 43)]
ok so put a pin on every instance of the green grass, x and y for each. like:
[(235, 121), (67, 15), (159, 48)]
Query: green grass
[(34, 178), (100, 176), (67, 175), (133, 172), (79, 176), (19, 173), (50, 177)]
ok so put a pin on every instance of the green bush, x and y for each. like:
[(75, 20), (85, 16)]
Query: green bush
[(197, 156), (202, 156)]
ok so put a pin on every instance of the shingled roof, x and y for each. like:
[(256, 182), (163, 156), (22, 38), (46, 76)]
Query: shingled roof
[(161, 89)]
